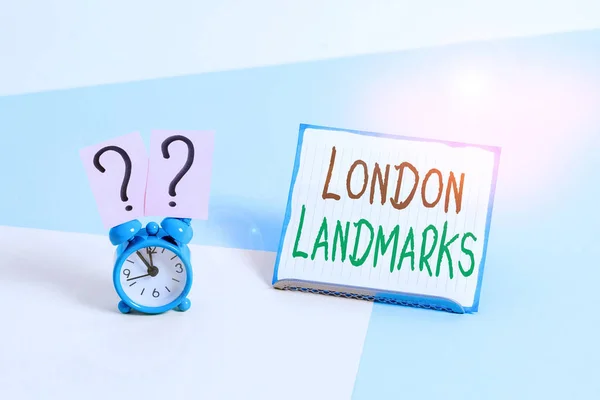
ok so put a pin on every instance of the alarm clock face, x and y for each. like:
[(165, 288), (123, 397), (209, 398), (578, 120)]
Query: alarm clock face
[(153, 276)]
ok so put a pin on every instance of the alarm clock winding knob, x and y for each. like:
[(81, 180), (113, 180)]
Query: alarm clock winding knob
[(152, 228)]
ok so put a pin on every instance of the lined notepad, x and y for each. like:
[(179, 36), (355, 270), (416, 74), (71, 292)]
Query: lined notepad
[(389, 218)]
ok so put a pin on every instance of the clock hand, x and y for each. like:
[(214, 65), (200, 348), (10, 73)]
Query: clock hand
[(150, 255), (138, 277), (144, 260)]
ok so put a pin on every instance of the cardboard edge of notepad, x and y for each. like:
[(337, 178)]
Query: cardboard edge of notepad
[(380, 296)]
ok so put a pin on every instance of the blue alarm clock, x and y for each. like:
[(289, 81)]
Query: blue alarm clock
[(152, 268)]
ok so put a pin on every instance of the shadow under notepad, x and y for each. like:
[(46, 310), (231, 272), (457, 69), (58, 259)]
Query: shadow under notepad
[(262, 263)]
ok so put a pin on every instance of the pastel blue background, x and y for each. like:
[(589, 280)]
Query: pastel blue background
[(536, 334)]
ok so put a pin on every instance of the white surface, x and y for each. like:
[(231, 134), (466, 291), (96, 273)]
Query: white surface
[(62, 336), (69, 43), (477, 166)]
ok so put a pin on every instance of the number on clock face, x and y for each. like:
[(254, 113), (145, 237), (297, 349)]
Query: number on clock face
[(153, 276)]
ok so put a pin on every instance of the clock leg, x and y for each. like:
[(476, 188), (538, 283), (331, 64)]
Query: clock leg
[(124, 308), (184, 305)]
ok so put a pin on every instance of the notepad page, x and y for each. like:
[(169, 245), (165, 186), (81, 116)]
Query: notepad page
[(388, 214)]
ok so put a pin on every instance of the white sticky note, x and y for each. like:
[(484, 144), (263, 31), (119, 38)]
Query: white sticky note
[(179, 171), (117, 170), (385, 217)]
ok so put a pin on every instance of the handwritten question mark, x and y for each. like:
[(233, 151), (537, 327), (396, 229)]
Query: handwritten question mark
[(186, 166), (127, 175)]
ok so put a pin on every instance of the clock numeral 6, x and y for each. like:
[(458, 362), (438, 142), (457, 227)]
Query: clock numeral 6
[(155, 293), (180, 270), (126, 272)]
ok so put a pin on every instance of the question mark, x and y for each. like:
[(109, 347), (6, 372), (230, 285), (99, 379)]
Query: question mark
[(127, 161), (186, 166)]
